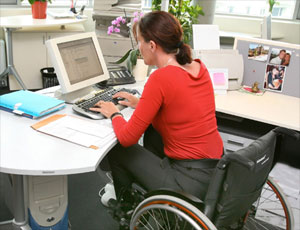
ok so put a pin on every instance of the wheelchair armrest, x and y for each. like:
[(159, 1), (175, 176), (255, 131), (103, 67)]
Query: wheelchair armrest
[(288, 132), (233, 157)]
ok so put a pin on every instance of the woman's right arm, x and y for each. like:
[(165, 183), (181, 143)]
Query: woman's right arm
[(130, 100), (128, 133)]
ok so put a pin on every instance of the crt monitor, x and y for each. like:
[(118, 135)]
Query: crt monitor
[(78, 63)]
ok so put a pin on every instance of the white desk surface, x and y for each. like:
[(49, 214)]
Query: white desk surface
[(26, 151), (271, 108), (22, 21)]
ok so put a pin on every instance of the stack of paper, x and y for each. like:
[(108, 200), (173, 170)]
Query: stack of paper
[(77, 130), (118, 5), (30, 104), (134, 5), (104, 4), (61, 14)]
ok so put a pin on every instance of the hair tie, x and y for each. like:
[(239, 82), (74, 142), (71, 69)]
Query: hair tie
[(179, 44)]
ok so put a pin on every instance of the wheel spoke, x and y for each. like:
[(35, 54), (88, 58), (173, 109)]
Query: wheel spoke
[(258, 224), (162, 216), (156, 221), (270, 210), (153, 214), (169, 228), (165, 212), (145, 225), (184, 225)]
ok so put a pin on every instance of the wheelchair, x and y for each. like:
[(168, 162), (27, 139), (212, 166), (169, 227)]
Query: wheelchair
[(240, 196)]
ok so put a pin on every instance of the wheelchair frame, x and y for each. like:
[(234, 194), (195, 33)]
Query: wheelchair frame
[(203, 215), (191, 210)]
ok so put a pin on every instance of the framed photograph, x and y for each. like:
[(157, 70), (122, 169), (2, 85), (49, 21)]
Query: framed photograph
[(280, 57), (258, 52), (274, 77)]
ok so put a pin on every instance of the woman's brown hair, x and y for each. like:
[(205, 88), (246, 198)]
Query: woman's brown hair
[(165, 30)]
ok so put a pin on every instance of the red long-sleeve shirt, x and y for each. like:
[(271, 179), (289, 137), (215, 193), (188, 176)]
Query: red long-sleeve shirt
[(181, 108)]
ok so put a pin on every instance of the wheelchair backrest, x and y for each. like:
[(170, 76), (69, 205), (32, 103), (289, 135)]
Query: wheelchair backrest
[(238, 181)]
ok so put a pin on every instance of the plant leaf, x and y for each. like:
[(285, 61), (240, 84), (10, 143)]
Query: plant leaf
[(133, 57), (122, 59), (129, 65)]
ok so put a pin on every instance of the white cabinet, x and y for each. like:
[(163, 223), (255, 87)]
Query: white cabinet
[(30, 55), (113, 48)]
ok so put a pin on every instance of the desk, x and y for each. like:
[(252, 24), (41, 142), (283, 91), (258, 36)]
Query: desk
[(25, 151), (244, 117), (271, 108), (13, 23)]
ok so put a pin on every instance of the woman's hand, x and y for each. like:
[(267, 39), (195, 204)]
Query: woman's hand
[(107, 108), (130, 100)]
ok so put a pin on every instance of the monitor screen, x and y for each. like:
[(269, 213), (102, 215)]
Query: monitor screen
[(80, 60), (77, 60)]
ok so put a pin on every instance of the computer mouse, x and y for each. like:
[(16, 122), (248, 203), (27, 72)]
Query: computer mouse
[(134, 91), (117, 99)]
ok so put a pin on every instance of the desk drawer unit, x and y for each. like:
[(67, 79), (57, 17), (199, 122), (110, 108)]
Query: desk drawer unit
[(233, 143)]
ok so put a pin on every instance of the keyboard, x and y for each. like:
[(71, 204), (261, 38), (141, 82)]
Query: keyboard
[(83, 105)]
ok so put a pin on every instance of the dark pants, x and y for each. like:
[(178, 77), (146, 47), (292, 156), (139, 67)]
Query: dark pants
[(149, 167)]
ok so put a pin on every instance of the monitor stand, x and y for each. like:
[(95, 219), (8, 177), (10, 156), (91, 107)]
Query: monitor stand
[(72, 97)]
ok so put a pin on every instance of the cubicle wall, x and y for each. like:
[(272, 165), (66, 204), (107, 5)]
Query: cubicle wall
[(259, 54)]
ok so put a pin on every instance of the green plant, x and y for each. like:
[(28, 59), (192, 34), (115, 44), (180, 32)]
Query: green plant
[(271, 5), (131, 58), (133, 54), (185, 12)]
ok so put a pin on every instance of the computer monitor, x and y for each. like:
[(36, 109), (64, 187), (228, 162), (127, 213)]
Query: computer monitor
[(78, 63)]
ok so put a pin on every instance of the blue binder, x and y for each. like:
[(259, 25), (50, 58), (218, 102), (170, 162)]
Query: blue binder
[(30, 104)]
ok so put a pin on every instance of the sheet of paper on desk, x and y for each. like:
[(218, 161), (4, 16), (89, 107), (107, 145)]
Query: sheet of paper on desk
[(85, 127), (219, 78), (77, 130)]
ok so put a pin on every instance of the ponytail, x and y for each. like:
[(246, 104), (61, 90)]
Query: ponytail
[(184, 54)]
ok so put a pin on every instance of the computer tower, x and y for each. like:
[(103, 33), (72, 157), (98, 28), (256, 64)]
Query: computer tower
[(48, 202)]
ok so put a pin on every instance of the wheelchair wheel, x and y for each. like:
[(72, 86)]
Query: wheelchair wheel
[(169, 213), (271, 210)]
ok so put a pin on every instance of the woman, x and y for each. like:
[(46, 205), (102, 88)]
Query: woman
[(286, 60), (182, 149)]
